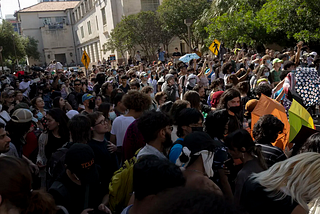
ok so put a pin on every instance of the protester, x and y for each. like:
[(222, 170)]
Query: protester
[(188, 120), (145, 174), (78, 188), (297, 184), (265, 132), (16, 193), (241, 146), (136, 103), (103, 150), (196, 158), (156, 129)]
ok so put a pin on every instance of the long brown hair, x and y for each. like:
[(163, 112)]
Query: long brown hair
[(15, 188)]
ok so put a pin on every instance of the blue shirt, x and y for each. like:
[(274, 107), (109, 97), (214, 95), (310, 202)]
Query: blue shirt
[(175, 151), (161, 56)]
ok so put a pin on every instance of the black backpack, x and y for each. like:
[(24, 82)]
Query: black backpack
[(55, 166)]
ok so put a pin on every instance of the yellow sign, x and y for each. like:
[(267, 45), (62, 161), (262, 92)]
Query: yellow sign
[(215, 47), (85, 59)]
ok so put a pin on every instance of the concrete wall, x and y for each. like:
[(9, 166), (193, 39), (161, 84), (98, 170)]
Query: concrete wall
[(53, 39)]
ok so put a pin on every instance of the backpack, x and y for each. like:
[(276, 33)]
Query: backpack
[(121, 186), (55, 166)]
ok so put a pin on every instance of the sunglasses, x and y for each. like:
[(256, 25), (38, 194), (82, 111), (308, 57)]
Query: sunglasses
[(77, 84)]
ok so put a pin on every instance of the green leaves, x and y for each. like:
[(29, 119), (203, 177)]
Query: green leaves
[(144, 29), (173, 13), (16, 46), (263, 22)]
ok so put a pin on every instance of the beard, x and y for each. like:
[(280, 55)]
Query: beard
[(167, 144)]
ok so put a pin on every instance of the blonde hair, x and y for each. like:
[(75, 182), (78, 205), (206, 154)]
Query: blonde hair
[(297, 177)]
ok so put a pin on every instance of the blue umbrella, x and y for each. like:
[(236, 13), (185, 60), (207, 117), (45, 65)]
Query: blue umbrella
[(186, 58)]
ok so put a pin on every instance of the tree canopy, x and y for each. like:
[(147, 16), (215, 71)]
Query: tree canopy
[(15, 46)]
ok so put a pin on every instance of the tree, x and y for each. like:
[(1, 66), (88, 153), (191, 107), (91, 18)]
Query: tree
[(173, 13), (143, 29), (31, 48), (12, 42), (298, 20)]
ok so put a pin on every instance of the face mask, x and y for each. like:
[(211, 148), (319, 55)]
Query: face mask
[(171, 67), (149, 72), (112, 115), (281, 66), (268, 61), (152, 95), (114, 72), (91, 104), (235, 109), (266, 74), (197, 129), (293, 71), (39, 115)]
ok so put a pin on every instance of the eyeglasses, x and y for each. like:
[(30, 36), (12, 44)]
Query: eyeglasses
[(76, 84), (102, 122), (11, 96)]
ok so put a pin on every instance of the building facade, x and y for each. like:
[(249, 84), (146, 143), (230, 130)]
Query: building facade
[(66, 29), (50, 23), (15, 23)]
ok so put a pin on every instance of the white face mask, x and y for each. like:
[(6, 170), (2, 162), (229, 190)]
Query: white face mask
[(112, 115)]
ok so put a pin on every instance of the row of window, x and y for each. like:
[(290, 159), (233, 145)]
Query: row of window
[(82, 9)]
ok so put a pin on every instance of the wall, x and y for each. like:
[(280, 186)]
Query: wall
[(53, 39)]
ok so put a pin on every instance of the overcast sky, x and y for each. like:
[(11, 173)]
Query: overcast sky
[(8, 7)]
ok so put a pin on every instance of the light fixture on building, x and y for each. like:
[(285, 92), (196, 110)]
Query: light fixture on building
[(71, 54), (48, 56)]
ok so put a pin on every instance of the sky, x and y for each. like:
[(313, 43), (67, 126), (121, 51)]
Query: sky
[(8, 7)]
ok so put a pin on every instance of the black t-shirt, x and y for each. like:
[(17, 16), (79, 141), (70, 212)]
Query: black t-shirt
[(176, 54), (255, 200), (125, 89), (72, 196), (53, 145), (107, 161)]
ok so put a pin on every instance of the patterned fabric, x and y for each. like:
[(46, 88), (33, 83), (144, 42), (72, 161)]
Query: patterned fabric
[(307, 85)]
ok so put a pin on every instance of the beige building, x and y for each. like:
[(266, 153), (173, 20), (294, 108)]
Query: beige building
[(66, 29), (95, 19), (50, 24)]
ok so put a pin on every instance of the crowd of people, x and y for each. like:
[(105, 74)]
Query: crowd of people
[(157, 137)]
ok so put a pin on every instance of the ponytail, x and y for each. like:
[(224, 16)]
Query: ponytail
[(258, 153), (41, 202)]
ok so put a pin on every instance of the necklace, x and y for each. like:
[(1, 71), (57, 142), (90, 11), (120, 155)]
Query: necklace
[(194, 170)]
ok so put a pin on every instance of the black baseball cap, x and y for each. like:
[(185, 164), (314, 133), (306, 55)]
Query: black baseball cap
[(80, 160)]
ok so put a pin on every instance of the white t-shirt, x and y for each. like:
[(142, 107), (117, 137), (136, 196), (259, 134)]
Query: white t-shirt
[(120, 126), (23, 85)]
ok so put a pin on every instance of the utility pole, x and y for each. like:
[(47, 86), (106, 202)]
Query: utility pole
[(1, 48), (188, 22), (14, 48)]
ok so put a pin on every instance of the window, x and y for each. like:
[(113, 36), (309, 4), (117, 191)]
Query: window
[(89, 27), (90, 4), (79, 16), (147, 5), (82, 33), (82, 10), (104, 18), (60, 20), (74, 17), (46, 20), (97, 23)]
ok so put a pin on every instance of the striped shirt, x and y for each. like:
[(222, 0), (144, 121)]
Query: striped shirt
[(271, 154)]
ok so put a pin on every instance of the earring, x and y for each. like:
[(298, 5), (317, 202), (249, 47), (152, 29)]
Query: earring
[(243, 155)]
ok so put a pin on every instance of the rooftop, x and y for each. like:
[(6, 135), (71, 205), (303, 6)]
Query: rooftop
[(50, 6)]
